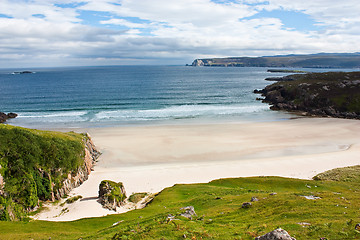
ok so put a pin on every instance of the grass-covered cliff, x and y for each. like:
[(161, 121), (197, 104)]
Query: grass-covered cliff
[(335, 94), (34, 165), (331, 212)]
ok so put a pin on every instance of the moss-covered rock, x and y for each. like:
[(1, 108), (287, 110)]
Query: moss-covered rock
[(111, 194)]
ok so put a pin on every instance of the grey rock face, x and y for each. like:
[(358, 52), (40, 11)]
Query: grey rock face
[(277, 234), (189, 212), (82, 174)]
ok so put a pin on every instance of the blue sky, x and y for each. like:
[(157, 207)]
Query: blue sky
[(108, 32)]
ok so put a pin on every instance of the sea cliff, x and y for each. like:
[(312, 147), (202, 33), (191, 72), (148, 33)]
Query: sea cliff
[(38, 166), (76, 178)]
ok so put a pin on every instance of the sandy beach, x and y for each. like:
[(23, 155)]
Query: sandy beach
[(151, 158)]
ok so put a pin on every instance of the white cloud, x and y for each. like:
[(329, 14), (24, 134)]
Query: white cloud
[(162, 31), (123, 22)]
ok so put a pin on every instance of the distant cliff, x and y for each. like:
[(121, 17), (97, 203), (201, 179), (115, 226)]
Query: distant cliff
[(335, 94), (323, 60)]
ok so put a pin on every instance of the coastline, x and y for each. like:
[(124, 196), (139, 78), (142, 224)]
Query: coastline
[(151, 158)]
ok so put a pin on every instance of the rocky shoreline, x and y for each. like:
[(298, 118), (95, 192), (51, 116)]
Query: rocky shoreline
[(334, 94), (4, 116)]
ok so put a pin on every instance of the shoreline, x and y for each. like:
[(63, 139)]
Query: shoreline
[(151, 158)]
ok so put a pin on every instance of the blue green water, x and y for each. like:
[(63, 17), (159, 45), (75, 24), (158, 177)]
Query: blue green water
[(124, 95)]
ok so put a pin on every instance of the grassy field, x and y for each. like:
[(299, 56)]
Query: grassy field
[(220, 215)]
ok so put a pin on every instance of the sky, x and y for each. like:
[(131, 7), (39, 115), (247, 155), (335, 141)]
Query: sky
[(44, 33)]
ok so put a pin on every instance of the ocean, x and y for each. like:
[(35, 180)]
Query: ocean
[(83, 97)]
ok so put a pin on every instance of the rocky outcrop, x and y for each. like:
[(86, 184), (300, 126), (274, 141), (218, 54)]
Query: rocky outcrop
[(197, 63), (335, 94), (111, 194), (277, 234), (4, 116), (76, 178), (189, 212)]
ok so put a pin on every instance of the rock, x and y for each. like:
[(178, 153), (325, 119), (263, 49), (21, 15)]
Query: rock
[(273, 193), (12, 115), (111, 194), (254, 199), (170, 218), (189, 212), (4, 116), (357, 226), (277, 234), (304, 224), (246, 205), (258, 91), (311, 197)]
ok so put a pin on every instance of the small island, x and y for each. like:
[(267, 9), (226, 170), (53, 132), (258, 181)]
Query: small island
[(23, 72)]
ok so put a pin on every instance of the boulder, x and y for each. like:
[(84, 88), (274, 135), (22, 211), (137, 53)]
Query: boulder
[(254, 199), (246, 205), (4, 116), (111, 194), (277, 234), (357, 227), (189, 212), (12, 115)]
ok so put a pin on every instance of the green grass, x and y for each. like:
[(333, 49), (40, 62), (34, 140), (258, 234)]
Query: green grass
[(136, 197), (219, 212), (73, 199)]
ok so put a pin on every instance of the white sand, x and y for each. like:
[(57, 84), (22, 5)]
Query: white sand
[(151, 158)]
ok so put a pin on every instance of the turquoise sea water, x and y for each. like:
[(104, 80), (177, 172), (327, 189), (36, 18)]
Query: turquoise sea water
[(128, 95)]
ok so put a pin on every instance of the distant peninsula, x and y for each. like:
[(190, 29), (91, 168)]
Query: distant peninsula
[(320, 60), (335, 94)]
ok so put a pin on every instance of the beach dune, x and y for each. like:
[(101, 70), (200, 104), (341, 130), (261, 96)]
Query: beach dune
[(151, 158)]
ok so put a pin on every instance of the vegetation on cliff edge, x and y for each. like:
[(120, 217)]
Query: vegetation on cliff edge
[(33, 165)]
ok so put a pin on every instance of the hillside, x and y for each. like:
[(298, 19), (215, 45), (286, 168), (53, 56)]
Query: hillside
[(325, 208), (350, 60), (40, 166), (335, 94)]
